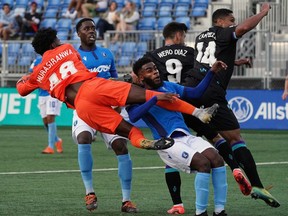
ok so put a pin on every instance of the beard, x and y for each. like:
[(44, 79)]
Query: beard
[(152, 84)]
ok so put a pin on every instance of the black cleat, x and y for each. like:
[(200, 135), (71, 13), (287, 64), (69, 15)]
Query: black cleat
[(163, 143)]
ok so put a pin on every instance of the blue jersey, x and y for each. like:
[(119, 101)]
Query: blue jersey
[(41, 92), (163, 122), (101, 60)]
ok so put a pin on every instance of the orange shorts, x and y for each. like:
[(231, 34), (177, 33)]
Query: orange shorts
[(94, 100)]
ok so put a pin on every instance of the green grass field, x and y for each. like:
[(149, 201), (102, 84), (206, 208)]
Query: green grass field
[(36, 184)]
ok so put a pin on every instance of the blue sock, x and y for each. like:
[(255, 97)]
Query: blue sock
[(202, 191), (125, 175), (52, 133), (85, 161), (219, 181)]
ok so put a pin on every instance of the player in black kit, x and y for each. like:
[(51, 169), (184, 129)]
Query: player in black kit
[(219, 42), (174, 62)]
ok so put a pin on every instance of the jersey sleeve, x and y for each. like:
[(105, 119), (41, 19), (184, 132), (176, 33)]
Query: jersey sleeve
[(25, 86)]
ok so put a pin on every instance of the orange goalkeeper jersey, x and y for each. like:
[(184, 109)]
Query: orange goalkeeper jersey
[(59, 68)]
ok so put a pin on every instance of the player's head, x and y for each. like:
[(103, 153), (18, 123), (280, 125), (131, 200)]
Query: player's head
[(86, 31), (175, 33), (223, 17), (147, 73), (45, 39)]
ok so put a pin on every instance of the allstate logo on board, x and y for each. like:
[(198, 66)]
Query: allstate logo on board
[(242, 108)]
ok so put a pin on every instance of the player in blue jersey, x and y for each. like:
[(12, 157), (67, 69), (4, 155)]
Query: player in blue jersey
[(189, 153), (49, 108), (99, 59)]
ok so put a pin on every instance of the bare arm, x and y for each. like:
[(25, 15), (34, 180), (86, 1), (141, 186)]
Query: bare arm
[(252, 21), (285, 92)]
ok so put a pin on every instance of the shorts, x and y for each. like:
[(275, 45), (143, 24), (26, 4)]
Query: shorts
[(49, 106), (94, 100), (180, 155), (224, 119), (78, 126)]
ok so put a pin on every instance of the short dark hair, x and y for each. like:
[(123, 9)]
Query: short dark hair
[(43, 39), (6, 4), (79, 23), (139, 63), (172, 28), (220, 13)]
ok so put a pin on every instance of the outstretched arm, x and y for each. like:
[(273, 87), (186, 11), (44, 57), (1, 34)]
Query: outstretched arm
[(24, 87), (252, 21), (197, 92), (243, 61)]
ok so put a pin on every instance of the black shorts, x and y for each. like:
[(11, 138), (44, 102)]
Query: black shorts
[(224, 119)]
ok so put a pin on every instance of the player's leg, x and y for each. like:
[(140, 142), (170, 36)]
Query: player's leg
[(82, 135), (119, 146), (173, 181)]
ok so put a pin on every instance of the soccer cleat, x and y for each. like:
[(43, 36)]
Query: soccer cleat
[(262, 193), (222, 213), (160, 144), (91, 201), (202, 214), (205, 114), (243, 183), (48, 150), (129, 207), (178, 209), (58, 145)]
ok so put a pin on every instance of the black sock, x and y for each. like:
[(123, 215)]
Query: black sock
[(173, 181), (226, 152), (247, 163)]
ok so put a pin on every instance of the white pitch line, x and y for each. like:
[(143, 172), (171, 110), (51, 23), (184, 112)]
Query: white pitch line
[(113, 169)]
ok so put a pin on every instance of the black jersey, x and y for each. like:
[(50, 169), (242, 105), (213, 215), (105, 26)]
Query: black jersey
[(215, 44), (173, 61)]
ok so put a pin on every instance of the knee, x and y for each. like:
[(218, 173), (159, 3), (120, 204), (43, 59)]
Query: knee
[(217, 161), (200, 163), (84, 138), (119, 146)]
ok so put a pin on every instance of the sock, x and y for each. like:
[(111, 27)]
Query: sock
[(52, 133), (85, 161), (173, 181), (136, 136), (226, 152), (177, 105), (125, 175), (202, 191), (219, 181), (247, 163)]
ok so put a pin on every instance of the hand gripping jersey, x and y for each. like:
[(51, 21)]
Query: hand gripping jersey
[(173, 61), (215, 44), (59, 68)]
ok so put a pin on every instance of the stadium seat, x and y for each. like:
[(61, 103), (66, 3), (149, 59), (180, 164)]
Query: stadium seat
[(10, 2), (13, 49), (141, 48), (114, 48), (21, 3), (149, 10), (147, 23), (53, 4), (162, 21), (198, 12), (124, 61), (185, 20), (128, 49), (151, 1), (168, 1), (165, 10), (25, 60), (181, 10), (50, 13), (185, 2), (65, 3), (49, 22), (64, 24), (63, 35), (28, 50), (12, 60), (201, 3)]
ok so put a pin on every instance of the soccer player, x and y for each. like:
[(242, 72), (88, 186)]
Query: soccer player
[(101, 60), (219, 43), (62, 73), (49, 108), (285, 92), (189, 153), (174, 61)]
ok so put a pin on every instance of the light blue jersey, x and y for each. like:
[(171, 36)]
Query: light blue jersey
[(163, 122), (101, 60)]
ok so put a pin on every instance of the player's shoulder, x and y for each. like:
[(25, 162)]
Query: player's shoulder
[(104, 50)]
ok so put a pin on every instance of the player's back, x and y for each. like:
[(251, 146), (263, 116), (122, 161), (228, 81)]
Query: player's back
[(173, 61)]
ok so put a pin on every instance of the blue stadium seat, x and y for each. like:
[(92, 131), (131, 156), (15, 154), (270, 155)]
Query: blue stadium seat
[(165, 10), (28, 50), (12, 60), (50, 13), (63, 35), (21, 3), (162, 21), (181, 10), (141, 48), (25, 60), (168, 1), (124, 61), (184, 1), (64, 24), (128, 49), (185, 20), (49, 22), (10, 2), (65, 3), (201, 3), (151, 1), (147, 23), (114, 48), (53, 4), (149, 10), (198, 12), (13, 49)]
